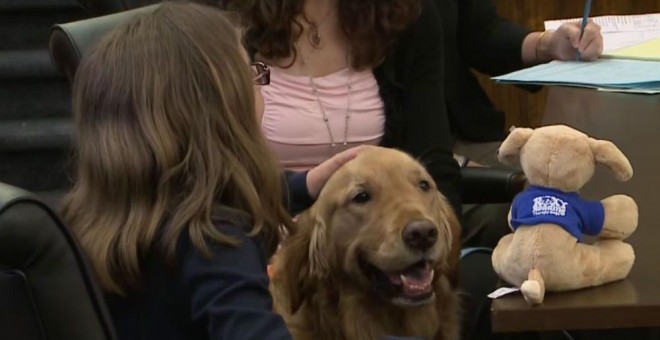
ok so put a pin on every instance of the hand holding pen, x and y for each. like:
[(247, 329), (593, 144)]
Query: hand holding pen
[(583, 25), (569, 40)]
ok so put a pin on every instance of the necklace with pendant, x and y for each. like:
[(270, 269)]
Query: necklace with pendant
[(314, 35), (315, 91)]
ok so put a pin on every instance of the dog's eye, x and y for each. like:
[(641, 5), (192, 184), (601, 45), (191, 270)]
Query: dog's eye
[(361, 197), (424, 185)]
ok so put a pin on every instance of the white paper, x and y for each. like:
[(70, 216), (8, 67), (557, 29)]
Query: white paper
[(620, 31), (499, 292), (616, 23)]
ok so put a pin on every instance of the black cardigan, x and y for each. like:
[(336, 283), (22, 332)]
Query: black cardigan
[(224, 296), (411, 81), (476, 37)]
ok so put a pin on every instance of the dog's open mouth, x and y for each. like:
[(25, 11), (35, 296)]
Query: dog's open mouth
[(412, 286)]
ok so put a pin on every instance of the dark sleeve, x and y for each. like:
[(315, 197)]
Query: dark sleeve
[(426, 135), (298, 196), (229, 291), (486, 41)]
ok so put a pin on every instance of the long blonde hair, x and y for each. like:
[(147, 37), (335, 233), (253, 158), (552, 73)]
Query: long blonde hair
[(166, 133)]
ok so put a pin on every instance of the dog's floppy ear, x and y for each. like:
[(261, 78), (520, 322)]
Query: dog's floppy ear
[(318, 262), (510, 148), (303, 259), (452, 237), (605, 152)]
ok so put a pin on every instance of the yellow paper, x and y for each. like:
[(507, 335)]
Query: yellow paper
[(649, 50)]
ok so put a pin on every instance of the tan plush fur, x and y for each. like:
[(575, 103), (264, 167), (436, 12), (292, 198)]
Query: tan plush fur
[(318, 285), (546, 257)]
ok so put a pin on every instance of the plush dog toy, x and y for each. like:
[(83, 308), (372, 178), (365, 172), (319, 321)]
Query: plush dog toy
[(546, 249)]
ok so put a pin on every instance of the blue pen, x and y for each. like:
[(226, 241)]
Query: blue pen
[(585, 19)]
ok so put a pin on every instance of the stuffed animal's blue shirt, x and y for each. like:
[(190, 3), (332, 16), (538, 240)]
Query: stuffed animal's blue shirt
[(577, 216)]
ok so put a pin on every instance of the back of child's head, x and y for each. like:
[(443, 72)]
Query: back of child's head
[(166, 132)]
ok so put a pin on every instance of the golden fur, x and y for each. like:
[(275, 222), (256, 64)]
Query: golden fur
[(318, 283)]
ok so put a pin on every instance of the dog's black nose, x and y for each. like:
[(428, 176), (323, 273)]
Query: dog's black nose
[(420, 235)]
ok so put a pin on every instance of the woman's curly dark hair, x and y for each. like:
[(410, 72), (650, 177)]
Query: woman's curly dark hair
[(272, 27)]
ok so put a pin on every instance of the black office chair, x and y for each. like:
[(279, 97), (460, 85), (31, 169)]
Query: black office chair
[(482, 185), (105, 7), (70, 41), (46, 289)]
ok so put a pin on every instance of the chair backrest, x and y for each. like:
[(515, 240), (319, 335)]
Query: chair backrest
[(47, 290), (104, 7), (71, 41)]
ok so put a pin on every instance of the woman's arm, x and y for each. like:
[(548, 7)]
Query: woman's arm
[(563, 44), (494, 45), (426, 132), (229, 291), (304, 187), (486, 41), (298, 196)]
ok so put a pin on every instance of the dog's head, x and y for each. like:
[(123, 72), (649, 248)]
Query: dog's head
[(380, 224), (561, 157)]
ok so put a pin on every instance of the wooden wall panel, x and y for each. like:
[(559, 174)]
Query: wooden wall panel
[(524, 108)]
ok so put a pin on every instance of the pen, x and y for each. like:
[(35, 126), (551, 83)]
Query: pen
[(585, 18)]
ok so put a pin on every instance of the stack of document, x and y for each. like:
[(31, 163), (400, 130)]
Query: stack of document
[(649, 50), (621, 31), (630, 61), (618, 75)]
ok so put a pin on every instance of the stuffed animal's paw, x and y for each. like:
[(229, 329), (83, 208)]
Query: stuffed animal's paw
[(532, 292)]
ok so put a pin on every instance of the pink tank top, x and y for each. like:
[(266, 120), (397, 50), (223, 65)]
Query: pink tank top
[(293, 123)]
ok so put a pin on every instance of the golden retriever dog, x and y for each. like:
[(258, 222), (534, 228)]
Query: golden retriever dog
[(376, 255)]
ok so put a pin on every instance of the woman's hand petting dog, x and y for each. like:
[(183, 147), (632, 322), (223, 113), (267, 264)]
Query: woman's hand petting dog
[(317, 176)]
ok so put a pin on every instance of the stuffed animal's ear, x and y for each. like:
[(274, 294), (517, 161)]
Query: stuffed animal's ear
[(605, 152), (302, 262), (510, 149)]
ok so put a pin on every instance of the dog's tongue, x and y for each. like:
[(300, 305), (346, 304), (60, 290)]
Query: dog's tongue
[(415, 280)]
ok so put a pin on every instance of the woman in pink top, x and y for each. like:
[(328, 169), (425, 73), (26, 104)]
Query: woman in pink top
[(347, 73), (290, 120)]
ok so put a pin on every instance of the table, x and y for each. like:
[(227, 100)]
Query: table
[(633, 123)]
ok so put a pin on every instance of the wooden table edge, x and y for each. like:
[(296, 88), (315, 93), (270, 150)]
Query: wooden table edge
[(575, 319)]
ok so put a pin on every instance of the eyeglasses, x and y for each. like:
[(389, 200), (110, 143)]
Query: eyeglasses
[(261, 73)]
